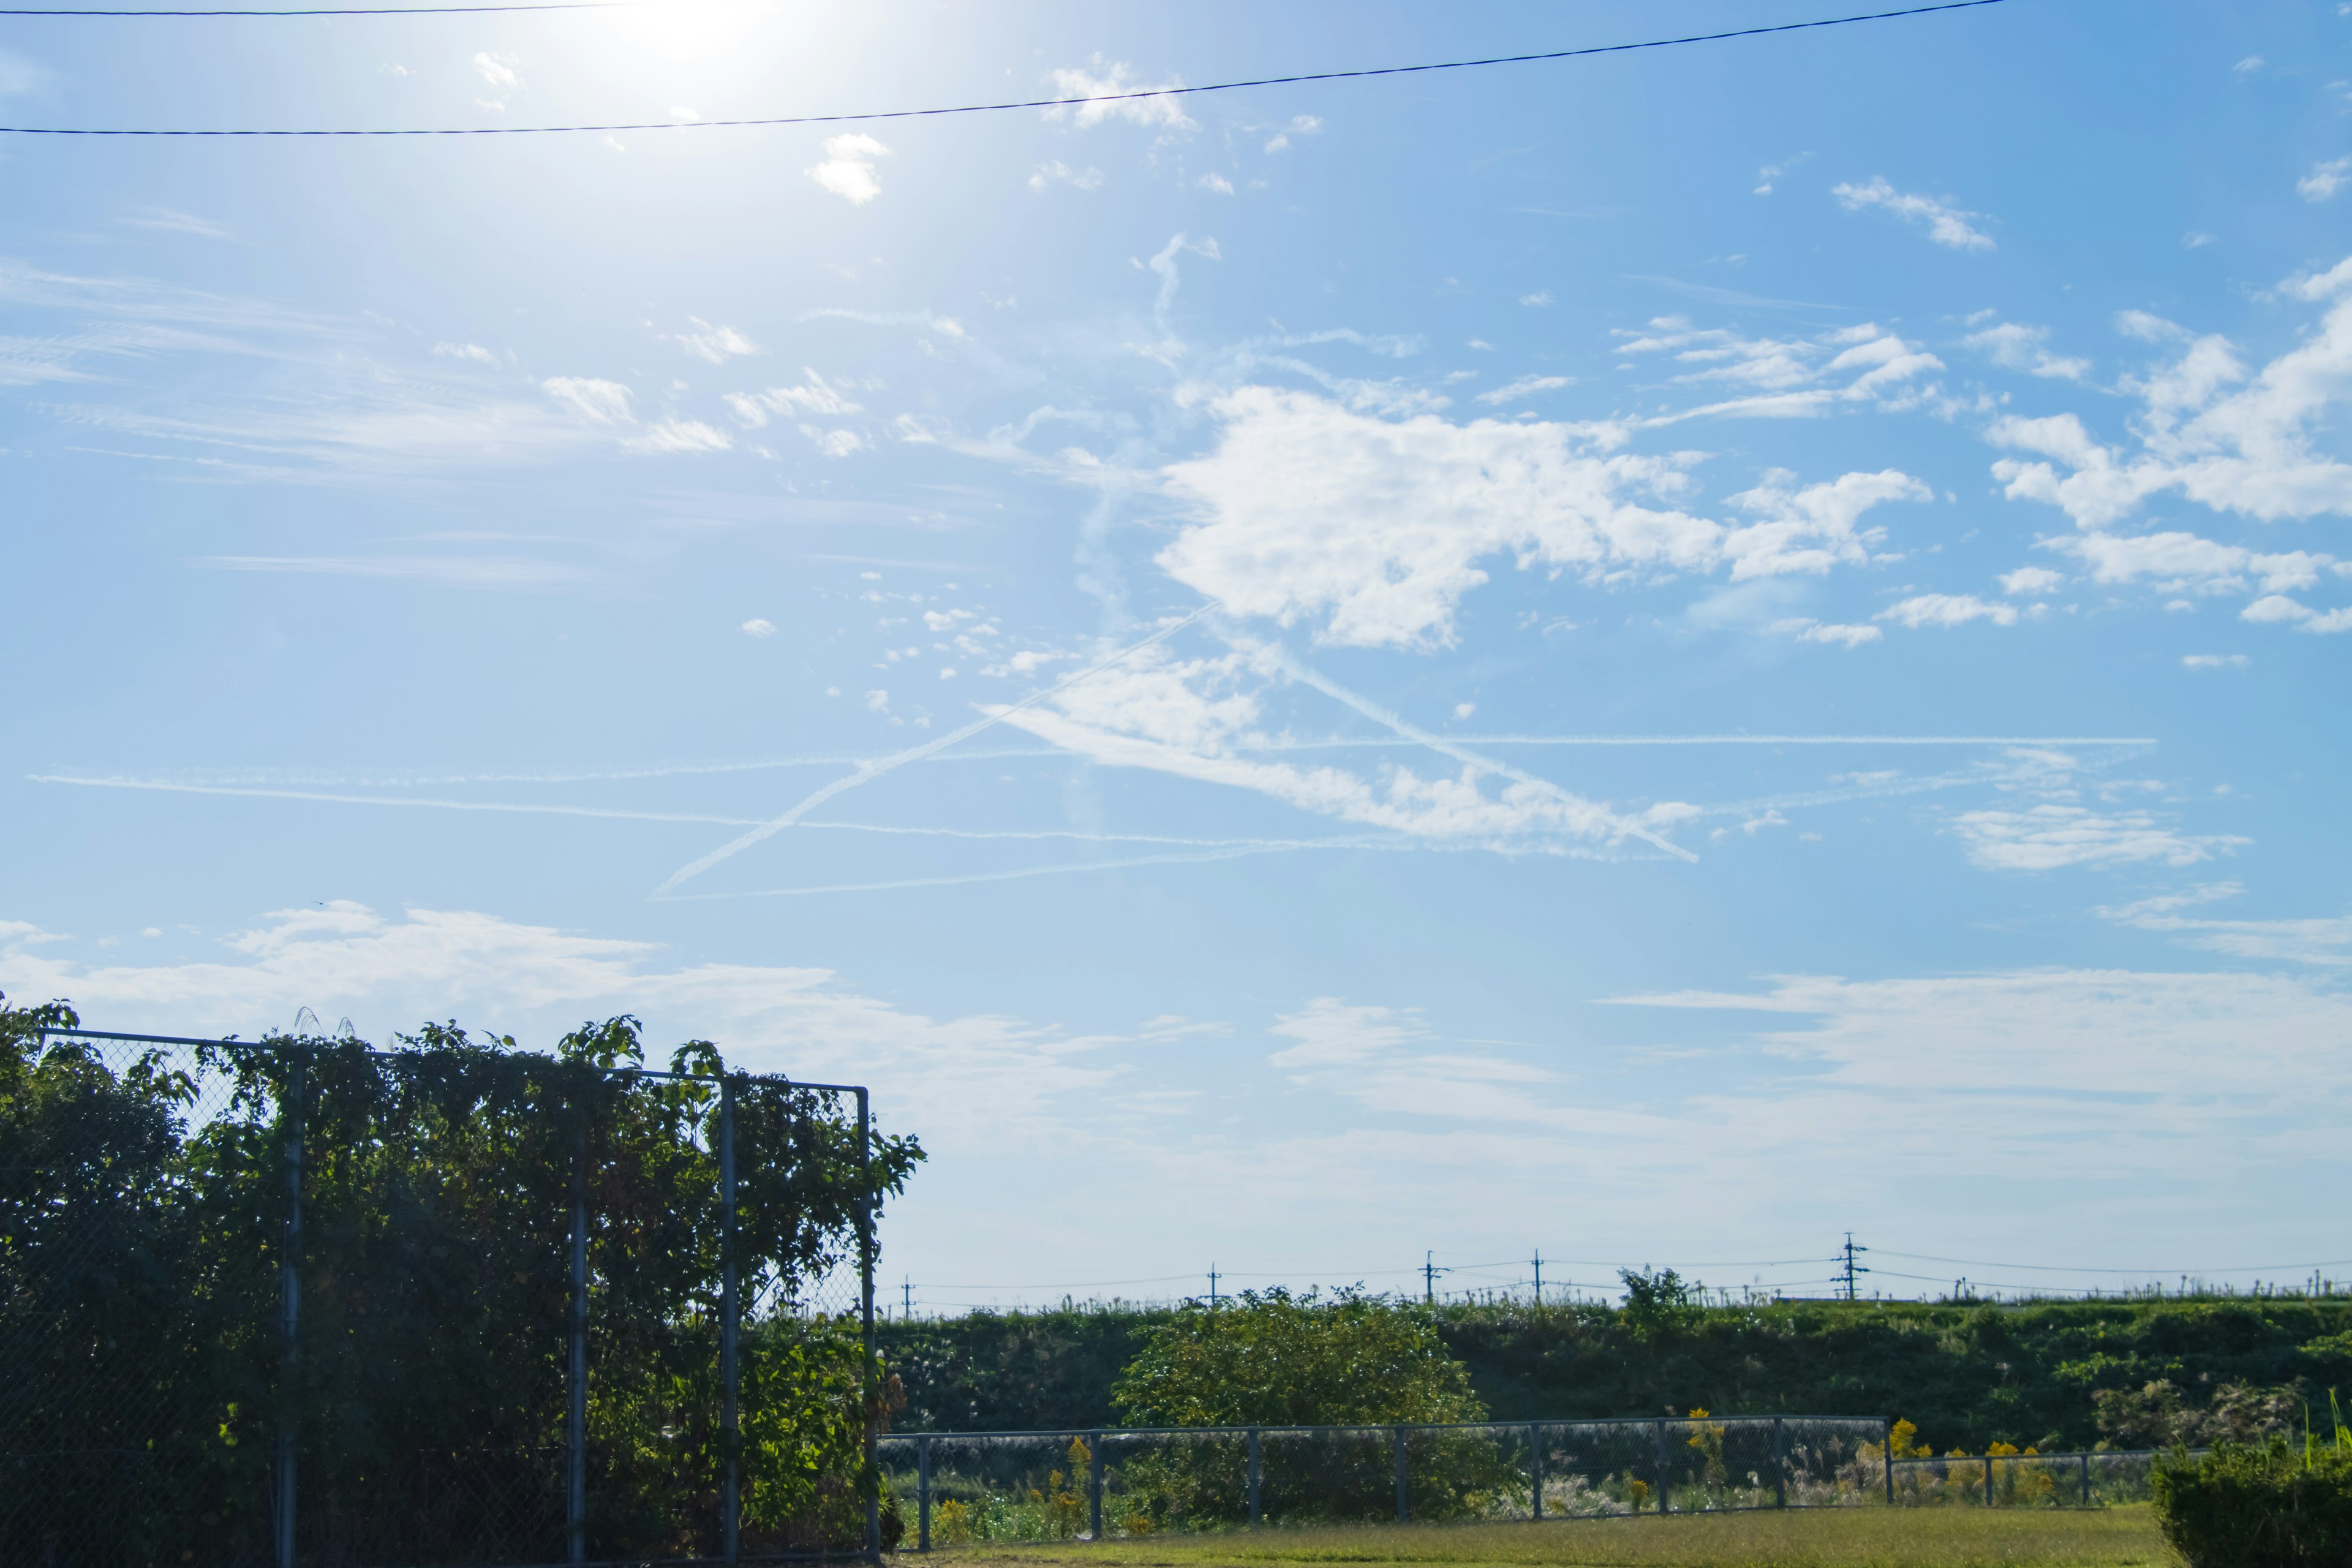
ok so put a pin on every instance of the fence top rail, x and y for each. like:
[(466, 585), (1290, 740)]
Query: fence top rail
[(233, 1044), (2049, 1454), (1273, 1428)]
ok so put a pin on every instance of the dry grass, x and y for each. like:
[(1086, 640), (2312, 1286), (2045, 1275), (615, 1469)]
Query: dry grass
[(1827, 1538)]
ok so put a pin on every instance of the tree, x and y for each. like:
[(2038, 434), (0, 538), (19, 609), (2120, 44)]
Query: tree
[(1272, 1359)]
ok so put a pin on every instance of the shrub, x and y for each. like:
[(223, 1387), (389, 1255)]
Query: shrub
[(2268, 1507)]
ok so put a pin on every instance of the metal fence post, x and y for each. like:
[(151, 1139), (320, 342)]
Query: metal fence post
[(1094, 1484), (2084, 1459), (1988, 1480), (1404, 1510), (1888, 1452), (1780, 1463), (922, 1494), (865, 1321), (1256, 1474), (290, 1286), (1535, 1471), (1665, 1503), (730, 1497), (575, 1458)]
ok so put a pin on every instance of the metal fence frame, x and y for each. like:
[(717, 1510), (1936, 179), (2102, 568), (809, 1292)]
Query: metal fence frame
[(1252, 1441), (286, 1478), (1891, 1468)]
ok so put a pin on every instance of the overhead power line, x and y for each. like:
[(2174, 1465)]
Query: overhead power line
[(1039, 103), (352, 11)]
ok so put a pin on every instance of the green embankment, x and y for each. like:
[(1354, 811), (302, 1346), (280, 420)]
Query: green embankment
[(1827, 1538), (1968, 1375)]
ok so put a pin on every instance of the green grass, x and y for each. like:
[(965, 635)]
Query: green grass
[(1825, 1538)]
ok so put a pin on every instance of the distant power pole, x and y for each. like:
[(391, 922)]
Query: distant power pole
[(907, 1299), (1213, 1284), (1538, 1275), (1848, 1269), (1429, 1273)]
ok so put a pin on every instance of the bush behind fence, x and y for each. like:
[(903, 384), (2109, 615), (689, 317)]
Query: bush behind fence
[(301, 1301)]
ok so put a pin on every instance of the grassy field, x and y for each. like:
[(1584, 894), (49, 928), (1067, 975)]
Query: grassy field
[(1827, 1538)]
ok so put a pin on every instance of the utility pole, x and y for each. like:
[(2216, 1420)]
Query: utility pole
[(907, 1299), (1429, 1273), (1538, 1275), (1213, 1284), (1848, 1269)]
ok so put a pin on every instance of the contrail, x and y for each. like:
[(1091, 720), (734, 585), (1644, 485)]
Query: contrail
[(171, 786), (1267, 846), (1460, 753), (876, 768), (1732, 739), (392, 800)]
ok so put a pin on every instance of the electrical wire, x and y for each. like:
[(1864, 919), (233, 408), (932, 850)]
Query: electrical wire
[(2134, 1273), (354, 11), (1043, 102)]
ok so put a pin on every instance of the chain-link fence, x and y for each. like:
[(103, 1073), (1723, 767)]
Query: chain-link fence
[(2027, 1480), (301, 1301), (1032, 1485)]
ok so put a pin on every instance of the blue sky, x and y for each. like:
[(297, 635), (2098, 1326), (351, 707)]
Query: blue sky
[(1657, 656)]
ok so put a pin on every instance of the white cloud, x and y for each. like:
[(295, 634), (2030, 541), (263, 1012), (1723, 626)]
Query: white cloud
[(2213, 661), (474, 351), (1310, 510), (1217, 183), (535, 982), (813, 396), (1786, 378), (1197, 718), (1300, 125), (1541, 297), (878, 702), (2324, 942), (2248, 66), (2177, 563), (1464, 710), (603, 401), (171, 220), (717, 344), (1525, 385), (497, 69), (834, 443), (1944, 1076), (1947, 610), (1058, 173), (1386, 1059), (668, 435), (847, 170), (758, 627), (1105, 83), (1813, 528), (2032, 580), (1946, 224), (2232, 439), (2325, 180), (19, 75), (1805, 629), (2277, 609), (2051, 836), (2195, 240), (2022, 348)]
